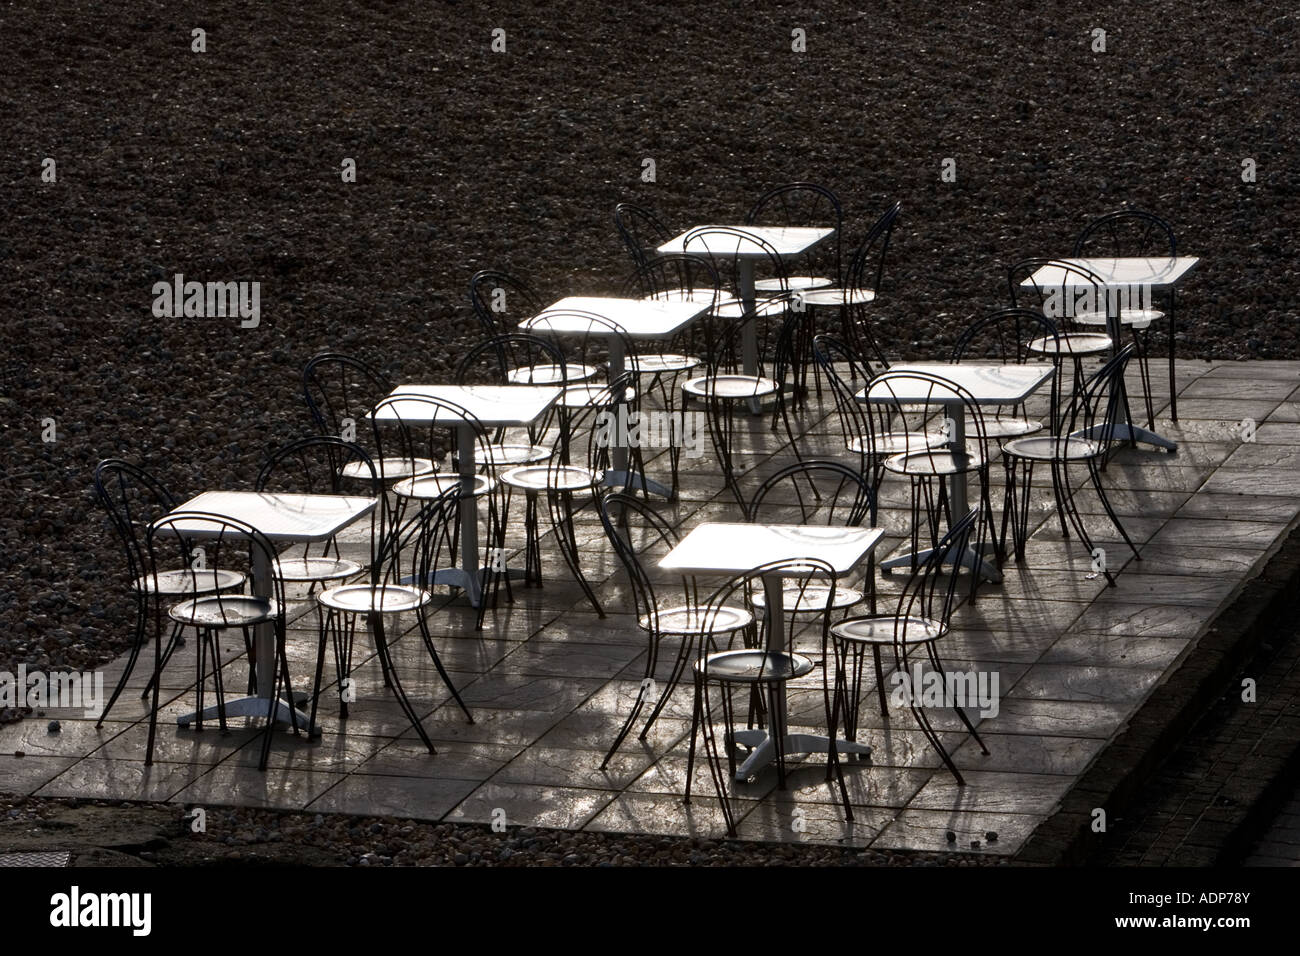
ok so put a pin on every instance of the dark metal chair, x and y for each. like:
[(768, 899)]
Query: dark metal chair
[(803, 204), (1132, 232), (1083, 436), (403, 573), (133, 499), (757, 670), (1005, 336), (226, 543), (641, 231), (666, 607), (920, 620)]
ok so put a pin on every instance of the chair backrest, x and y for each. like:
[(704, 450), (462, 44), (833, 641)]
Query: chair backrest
[(1068, 289), (793, 575), (1098, 406), (1128, 232), (584, 337), (133, 499), (727, 247), (641, 537), (930, 594), (413, 551), (1005, 335), (206, 546), (867, 267), (847, 372), (915, 403), (814, 492), (641, 231), (501, 301), (805, 204), (412, 428), (674, 276), (491, 360), (340, 391), (325, 465)]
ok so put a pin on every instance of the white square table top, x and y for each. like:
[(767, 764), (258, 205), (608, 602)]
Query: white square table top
[(987, 384), (281, 517), (636, 318), (1156, 271), (493, 405), (786, 240), (734, 548)]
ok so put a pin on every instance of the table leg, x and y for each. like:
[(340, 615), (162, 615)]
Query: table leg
[(619, 476), (1125, 430)]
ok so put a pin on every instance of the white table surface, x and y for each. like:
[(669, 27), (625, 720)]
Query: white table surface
[(493, 405), (987, 384), (1156, 271), (786, 240), (734, 548), (635, 318), (281, 517)]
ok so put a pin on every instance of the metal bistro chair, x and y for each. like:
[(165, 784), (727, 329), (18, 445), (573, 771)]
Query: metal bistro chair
[(817, 492), (1132, 232), (502, 302), (803, 204), (854, 299), (641, 231), (133, 499), (755, 669), (490, 362), (227, 542), (1005, 335), (340, 391), (920, 620), (396, 585), (566, 477), (408, 427), (1083, 436), (666, 607)]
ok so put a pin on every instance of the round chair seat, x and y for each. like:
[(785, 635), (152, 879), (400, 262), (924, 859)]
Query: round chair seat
[(656, 363), (374, 599), (1011, 427), (1053, 448), (228, 610), (900, 443), (935, 462), (750, 666), (435, 484), (1072, 343), (180, 581), (731, 386), (550, 374), (1137, 318), (884, 630), (691, 620), (839, 296), (582, 396), (793, 282), (388, 469), (552, 477), (509, 454), (810, 599), (317, 569)]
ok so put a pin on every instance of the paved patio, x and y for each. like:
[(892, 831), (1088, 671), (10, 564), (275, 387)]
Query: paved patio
[(549, 682)]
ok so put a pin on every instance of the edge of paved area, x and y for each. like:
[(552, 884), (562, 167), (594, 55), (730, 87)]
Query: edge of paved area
[(1212, 669)]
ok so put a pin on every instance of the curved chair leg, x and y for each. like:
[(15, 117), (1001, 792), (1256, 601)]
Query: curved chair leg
[(561, 509), (437, 663), (141, 623), (1110, 511), (696, 710), (965, 719), (674, 678), (381, 648), (711, 747), (1077, 520)]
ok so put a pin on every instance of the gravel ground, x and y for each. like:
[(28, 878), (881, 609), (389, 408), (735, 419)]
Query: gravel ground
[(225, 165), (120, 833)]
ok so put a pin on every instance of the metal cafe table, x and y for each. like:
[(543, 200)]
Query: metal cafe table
[(494, 406), (283, 518), (649, 319), (988, 385), (1118, 276), (731, 549)]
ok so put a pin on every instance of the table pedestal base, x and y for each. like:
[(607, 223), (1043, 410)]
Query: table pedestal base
[(1127, 432), (253, 707), (971, 560), (764, 751), (629, 481)]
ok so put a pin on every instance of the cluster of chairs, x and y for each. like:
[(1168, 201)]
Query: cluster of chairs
[(558, 466)]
